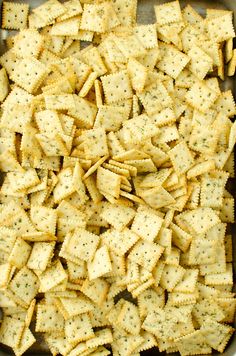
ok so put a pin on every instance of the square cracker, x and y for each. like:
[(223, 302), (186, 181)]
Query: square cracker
[(29, 74), (44, 218), (146, 224), (52, 277), (138, 74), (4, 84), (11, 331), (49, 10), (147, 35), (14, 15), (27, 340), (24, 285), (41, 255), (193, 344), (168, 13), (217, 335), (78, 328), (146, 254), (173, 61), (221, 28), (116, 87), (108, 182), (95, 17), (201, 219), (129, 318), (84, 112), (101, 263), (28, 43), (154, 98), (181, 158), (119, 241), (83, 244), (117, 215), (20, 253), (96, 290), (130, 46), (95, 143), (48, 318), (201, 97), (201, 63)]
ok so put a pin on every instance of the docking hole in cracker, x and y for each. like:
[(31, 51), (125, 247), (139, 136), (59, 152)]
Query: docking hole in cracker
[(117, 163)]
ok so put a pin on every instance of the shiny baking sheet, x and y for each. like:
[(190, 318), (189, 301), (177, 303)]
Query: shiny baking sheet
[(145, 15)]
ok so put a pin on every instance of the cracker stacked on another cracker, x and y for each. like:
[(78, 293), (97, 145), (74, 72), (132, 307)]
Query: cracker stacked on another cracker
[(114, 210)]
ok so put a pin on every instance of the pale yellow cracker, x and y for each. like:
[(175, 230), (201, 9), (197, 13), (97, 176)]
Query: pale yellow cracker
[(4, 85), (14, 15)]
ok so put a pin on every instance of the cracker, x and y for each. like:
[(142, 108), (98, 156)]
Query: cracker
[(221, 28), (159, 323), (100, 264), (116, 87), (29, 74), (193, 344), (108, 182), (126, 237), (146, 224), (50, 10), (52, 277), (227, 210), (83, 244), (95, 17), (92, 57), (96, 290), (7, 239), (181, 158), (14, 15), (73, 8), (27, 340), (171, 275), (44, 218), (203, 101), (48, 318), (28, 43), (4, 84), (41, 255), (60, 102), (220, 278), (157, 197), (68, 27), (118, 216), (83, 112), (168, 13), (200, 63), (147, 35), (201, 219), (216, 334), (212, 192), (154, 98), (24, 285), (202, 311), (146, 253), (11, 331), (110, 117), (6, 270), (20, 253), (172, 61), (76, 306), (129, 318), (138, 74)]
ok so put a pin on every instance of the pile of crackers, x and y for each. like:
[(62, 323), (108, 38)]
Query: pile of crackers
[(117, 157)]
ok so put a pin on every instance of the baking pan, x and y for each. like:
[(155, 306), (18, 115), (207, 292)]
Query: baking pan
[(145, 15)]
